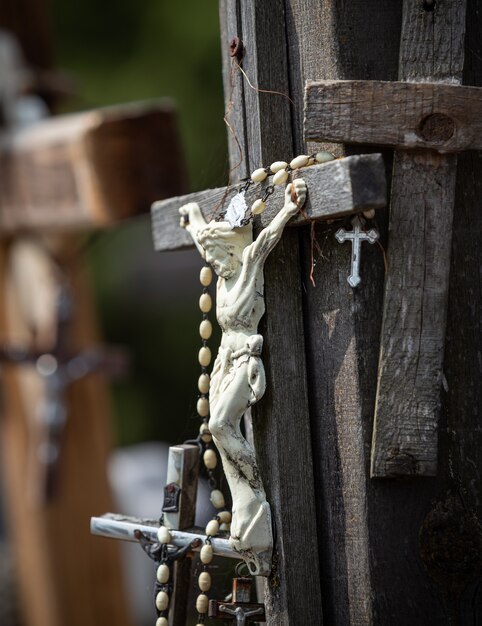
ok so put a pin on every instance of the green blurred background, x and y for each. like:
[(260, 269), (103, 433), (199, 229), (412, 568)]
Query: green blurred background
[(118, 51)]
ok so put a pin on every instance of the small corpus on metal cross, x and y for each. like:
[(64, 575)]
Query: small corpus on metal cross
[(58, 369), (240, 610), (356, 236)]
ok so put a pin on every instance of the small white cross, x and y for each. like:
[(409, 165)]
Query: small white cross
[(356, 236)]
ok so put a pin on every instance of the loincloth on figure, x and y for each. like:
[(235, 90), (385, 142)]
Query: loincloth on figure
[(227, 365)]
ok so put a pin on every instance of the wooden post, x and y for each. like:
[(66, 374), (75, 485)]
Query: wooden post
[(263, 127)]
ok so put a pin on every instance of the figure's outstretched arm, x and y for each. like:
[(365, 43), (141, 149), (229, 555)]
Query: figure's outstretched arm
[(193, 221), (259, 250)]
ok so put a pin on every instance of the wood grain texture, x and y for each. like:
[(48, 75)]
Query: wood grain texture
[(445, 118), (344, 40), (407, 409), (368, 530), (335, 189), (285, 461), (89, 169)]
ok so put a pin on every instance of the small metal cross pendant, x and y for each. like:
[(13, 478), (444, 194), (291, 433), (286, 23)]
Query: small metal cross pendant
[(356, 236), (240, 609)]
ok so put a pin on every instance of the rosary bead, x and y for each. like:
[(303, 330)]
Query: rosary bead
[(203, 383), (280, 177), (205, 303), (204, 356), (225, 527), (224, 517), (162, 601), (162, 621), (369, 214), (203, 407), (212, 528), (259, 175), (210, 459), (205, 434), (258, 207), (206, 276), (164, 535), (324, 157), (163, 573), (277, 166), (202, 603), (204, 581), (207, 553), (217, 499), (299, 161), (205, 329)]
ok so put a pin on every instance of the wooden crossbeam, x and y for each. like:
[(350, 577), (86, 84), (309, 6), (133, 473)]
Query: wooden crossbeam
[(89, 169), (404, 115), (123, 527), (335, 189)]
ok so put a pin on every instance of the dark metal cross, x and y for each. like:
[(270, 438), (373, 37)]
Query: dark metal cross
[(58, 369), (240, 609)]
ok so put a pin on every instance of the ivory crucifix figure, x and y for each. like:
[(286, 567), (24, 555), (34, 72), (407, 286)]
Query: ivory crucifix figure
[(238, 377)]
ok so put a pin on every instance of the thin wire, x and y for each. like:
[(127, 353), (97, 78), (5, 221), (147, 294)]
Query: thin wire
[(258, 89)]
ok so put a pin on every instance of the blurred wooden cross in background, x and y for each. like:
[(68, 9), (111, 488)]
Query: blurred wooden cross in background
[(59, 179)]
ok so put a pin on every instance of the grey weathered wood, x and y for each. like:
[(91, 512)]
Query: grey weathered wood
[(285, 461), (413, 333), (445, 118), (335, 189), (341, 40), (368, 530)]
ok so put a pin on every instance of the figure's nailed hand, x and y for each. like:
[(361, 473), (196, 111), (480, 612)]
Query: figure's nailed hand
[(295, 195), (184, 212)]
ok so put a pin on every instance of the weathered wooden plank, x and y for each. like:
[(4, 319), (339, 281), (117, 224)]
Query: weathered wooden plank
[(340, 40), (83, 170), (285, 461), (445, 118), (410, 372), (335, 189)]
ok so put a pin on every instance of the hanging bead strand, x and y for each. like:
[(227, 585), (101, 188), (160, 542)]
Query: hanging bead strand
[(163, 587), (280, 171)]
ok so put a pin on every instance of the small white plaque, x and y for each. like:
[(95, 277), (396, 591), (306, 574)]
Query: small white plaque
[(237, 211)]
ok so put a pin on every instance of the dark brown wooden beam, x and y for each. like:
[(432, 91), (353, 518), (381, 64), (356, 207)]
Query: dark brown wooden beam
[(335, 189), (436, 116)]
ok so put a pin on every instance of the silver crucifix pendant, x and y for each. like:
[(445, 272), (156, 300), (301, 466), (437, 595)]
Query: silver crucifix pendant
[(356, 236)]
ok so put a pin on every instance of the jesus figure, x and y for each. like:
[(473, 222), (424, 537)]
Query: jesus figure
[(238, 378)]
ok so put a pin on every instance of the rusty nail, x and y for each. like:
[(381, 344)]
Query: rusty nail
[(236, 48)]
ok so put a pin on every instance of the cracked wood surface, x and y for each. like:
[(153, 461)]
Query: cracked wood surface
[(335, 189), (436, 116), (420, 234)]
